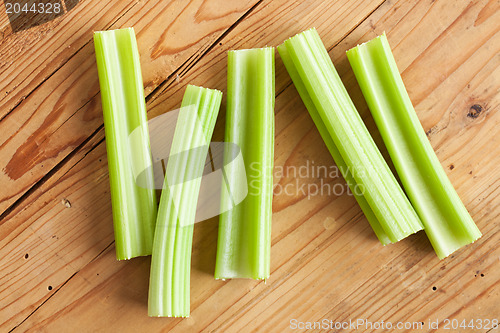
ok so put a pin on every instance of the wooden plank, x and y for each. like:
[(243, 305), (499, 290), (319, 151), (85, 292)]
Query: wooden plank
[(278, 21), (326, 262), (43, 250), (65, 110), (29, 57)]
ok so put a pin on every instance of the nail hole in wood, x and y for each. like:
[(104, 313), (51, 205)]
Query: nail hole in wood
[(66, 203), (49, 287), (434, 288), (26, 256)]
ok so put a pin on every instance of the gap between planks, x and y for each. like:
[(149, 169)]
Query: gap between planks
[(150, 97)]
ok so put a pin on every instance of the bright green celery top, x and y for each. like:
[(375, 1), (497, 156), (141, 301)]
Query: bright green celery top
[(171, 260), (244, 242), (323, 131), (446, 220), (122, 94), (344, 125)]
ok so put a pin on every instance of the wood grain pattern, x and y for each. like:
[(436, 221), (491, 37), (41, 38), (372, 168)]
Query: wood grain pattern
[(30, 57), (59, 115), (326, 261)]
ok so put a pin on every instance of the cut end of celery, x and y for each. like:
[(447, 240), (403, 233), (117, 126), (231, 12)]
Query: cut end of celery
[(445, 251), (128, 30), (167, 316), (386, 240), (125, 258), (240, 51), (371, 41), (239, 276), (305, 32), (227, 271)]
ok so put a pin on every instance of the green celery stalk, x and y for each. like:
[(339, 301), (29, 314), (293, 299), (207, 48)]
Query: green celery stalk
[(323, 131), (124, 110), (306, 53), (171, 259), (446, 220), (244, 242)]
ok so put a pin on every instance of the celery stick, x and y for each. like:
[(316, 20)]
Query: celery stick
[(244, 243), (349, 134), (171, 259), (446, 220), (323, 131), (124, 110)]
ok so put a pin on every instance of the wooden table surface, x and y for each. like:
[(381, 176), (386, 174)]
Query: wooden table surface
[(58, 271)]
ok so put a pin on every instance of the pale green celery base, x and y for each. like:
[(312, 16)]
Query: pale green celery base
[(446, 220), (244, 242), (124, 110), (171, 259), (349, 135)]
